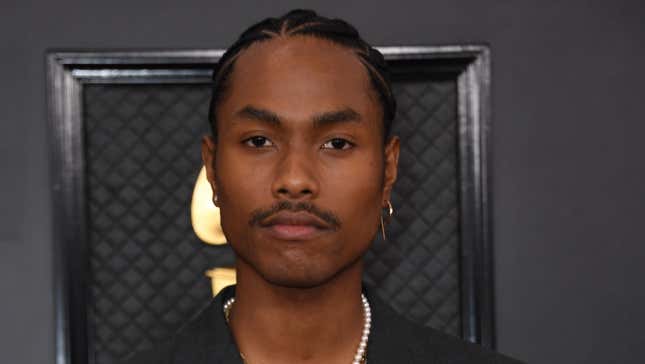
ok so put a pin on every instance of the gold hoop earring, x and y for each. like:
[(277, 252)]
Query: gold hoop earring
[(390, 212)]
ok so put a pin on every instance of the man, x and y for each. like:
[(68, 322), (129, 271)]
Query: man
[(302, 166)]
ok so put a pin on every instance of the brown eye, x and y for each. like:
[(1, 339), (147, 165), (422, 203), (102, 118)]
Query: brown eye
[(258, 142), (338, 144)]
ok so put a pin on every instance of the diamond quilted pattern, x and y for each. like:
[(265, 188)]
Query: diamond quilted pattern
[(147, 266), (417, 268)]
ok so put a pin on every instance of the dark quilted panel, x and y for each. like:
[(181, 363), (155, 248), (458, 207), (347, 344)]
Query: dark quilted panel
[(147, 267), (417, 269)]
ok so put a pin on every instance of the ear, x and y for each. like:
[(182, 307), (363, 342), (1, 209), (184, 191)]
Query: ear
[(391, 166), (209, 148)]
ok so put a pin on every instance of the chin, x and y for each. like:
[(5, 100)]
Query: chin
[(296, 279), (300, 265), (295, 274), (303, 274)]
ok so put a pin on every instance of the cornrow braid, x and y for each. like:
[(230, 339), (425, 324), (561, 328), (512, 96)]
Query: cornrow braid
[(307, 22)]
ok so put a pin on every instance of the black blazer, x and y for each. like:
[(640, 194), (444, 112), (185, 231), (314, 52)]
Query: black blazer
[(206, 339)]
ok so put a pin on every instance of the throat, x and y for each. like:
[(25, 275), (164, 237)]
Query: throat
[(297, 332)]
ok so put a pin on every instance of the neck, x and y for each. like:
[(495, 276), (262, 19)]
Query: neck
[(277, 324)]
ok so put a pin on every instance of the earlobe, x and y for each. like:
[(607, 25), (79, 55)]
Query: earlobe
[(208, 157), (391, 166)]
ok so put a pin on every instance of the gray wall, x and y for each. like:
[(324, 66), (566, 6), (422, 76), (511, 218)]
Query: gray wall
[(569, 181)]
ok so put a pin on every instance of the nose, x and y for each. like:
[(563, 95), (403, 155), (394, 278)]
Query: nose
[(295, 176)]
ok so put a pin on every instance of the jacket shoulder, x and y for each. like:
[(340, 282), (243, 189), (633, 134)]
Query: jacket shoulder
[(188, 344), (447, 349), (395, 339)]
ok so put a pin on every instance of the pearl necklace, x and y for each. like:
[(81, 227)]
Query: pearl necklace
[(359, 358)]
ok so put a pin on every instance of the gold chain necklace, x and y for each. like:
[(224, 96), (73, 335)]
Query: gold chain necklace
[(361, 352)]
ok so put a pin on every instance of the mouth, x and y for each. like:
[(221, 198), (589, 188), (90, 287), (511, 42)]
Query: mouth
[(294, 226)]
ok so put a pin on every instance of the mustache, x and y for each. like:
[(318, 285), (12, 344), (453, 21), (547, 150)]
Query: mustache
[(327, 216)]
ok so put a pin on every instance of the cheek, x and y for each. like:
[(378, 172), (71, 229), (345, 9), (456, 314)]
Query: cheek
[(241, 189), (362, 174), (238, 180), (356, 189)]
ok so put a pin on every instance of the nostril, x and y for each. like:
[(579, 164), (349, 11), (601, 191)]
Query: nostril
[(294, 192)]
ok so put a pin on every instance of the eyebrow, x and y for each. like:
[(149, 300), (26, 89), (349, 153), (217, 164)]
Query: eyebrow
[(344, 115), (336, 117), (254, 113)]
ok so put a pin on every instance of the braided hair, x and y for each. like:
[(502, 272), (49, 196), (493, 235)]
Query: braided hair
[(308, 23)]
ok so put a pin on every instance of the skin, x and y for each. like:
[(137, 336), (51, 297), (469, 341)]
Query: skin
[(299, 123)]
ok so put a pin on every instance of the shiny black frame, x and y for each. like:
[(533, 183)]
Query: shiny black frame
[(69, 71)]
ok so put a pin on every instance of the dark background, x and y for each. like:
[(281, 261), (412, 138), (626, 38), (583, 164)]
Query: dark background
[(567, 149)]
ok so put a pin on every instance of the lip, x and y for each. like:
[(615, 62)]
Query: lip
[(287, 225)]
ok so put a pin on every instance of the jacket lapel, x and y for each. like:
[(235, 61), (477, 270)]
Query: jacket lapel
[(388, 341), (207, 338)]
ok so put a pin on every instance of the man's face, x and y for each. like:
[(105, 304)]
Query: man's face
[(299, 166)]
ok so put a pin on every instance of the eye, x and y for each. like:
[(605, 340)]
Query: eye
[(338, 144), (258, 142)]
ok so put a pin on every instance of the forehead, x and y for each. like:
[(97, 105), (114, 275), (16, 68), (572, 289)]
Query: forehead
[(300, 75)]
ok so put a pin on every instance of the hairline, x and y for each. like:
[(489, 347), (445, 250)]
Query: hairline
[(228, 70)]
